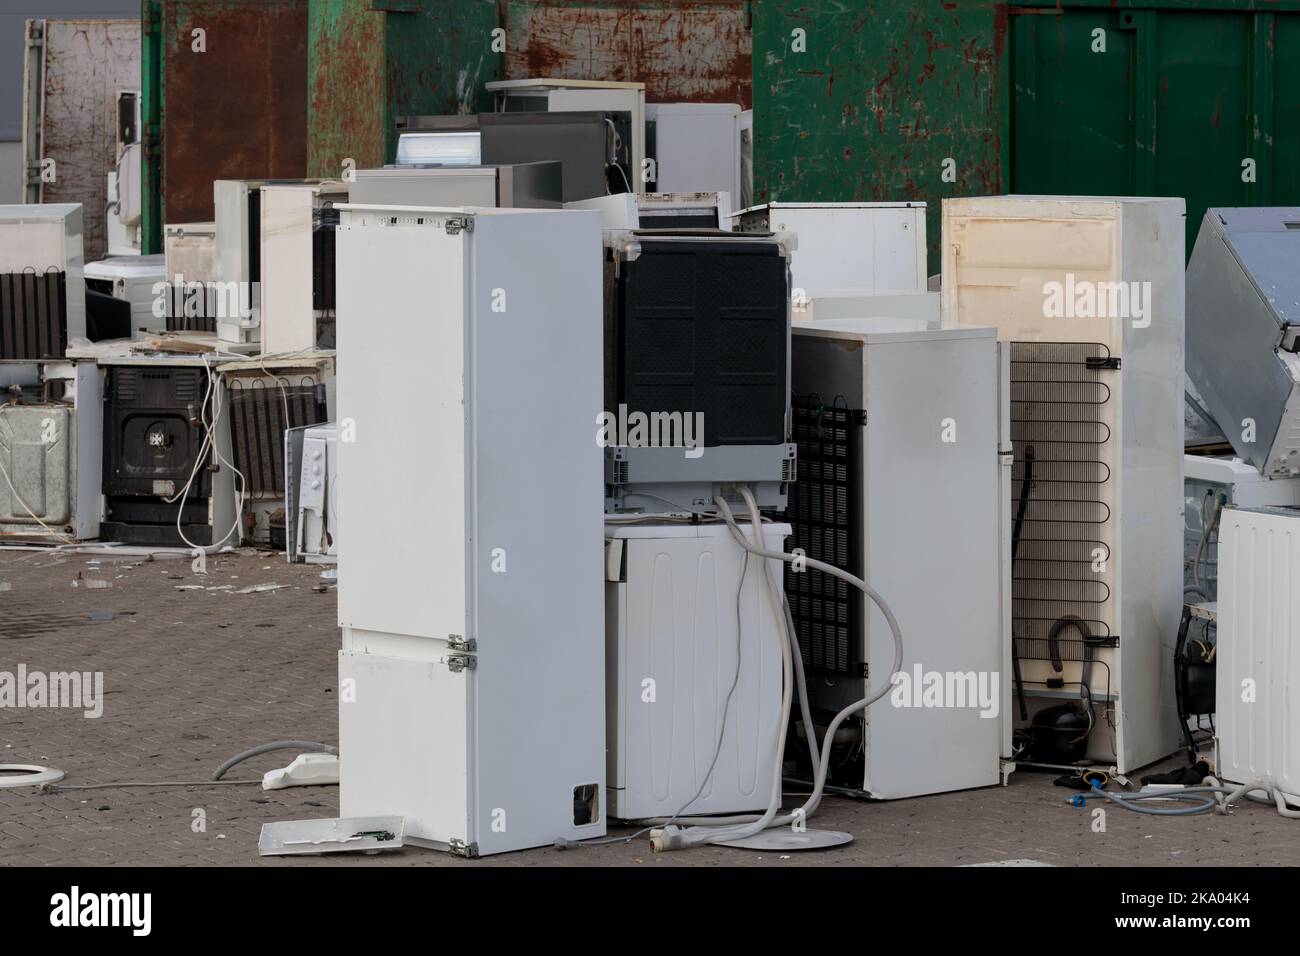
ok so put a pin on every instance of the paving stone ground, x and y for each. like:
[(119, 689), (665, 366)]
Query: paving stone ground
[(194, 676)]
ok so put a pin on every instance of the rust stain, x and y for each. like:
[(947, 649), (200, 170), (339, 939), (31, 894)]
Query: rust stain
[(683, 52), (346, 115), (238, 110)]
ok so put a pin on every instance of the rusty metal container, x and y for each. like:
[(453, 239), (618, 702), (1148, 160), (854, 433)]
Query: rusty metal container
[(370, 61), (225, 97)]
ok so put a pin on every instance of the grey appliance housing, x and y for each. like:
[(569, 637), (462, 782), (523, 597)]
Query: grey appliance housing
[(698, 322), (537, 185), (1243, 331), (579, 141)]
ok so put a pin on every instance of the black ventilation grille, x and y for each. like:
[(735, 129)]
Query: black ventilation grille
[(825, 513), (33, 315), (322, 259), (150, 434), (701, 327), (258, 410), (192, 309), (1059, 393)]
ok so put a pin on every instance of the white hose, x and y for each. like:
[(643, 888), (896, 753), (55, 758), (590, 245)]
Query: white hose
[(726, 829)]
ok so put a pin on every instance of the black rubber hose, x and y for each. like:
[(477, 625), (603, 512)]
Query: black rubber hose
[(1025, 482)]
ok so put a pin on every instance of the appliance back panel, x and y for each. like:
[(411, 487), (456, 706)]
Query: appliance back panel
[(257, 426), (33, 315), (701, 327), (825, 515), (578, 140), (148, 437)]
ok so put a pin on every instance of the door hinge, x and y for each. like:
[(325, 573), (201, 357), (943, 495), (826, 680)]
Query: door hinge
[(456, 663), (1098, 362), (462, 653), (461, 848), (460, 224)]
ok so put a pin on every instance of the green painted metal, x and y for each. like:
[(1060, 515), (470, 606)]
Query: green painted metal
[(888, 90), (880, 101), (370, 61), (151, 94), (1157, 102)]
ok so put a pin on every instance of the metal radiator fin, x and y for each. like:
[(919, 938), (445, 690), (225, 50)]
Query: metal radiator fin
[(824, 511), (1057, 403), (258, 410), (33, 315)]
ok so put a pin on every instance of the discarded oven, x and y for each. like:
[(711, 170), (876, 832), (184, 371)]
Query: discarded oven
[(268, 398), (50, 451), (168, 479)]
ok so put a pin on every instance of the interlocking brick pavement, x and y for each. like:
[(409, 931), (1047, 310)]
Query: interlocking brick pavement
[(194, 676)]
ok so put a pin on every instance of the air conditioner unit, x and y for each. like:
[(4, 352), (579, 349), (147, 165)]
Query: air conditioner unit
[(697, 334), (904, 480), (696, 210), (42, 290), (847, 248), (266, 397), (138, 280), (50, 457), (623, 102), (1088, 292), (1257, 693), (190, 258), (465, 601), (163, 484), (298, 222), (311, 493), (522, 185), (688, 615), (1243, 332), (695, 147)]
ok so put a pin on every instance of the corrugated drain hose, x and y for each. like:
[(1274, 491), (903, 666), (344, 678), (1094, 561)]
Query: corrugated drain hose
[(305, 745), (726, 829)]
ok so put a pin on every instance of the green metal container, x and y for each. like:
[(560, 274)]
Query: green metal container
[(371, 61), (897, 99)]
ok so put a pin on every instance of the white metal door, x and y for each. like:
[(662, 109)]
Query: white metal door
[(404, 744), (402, 568)]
